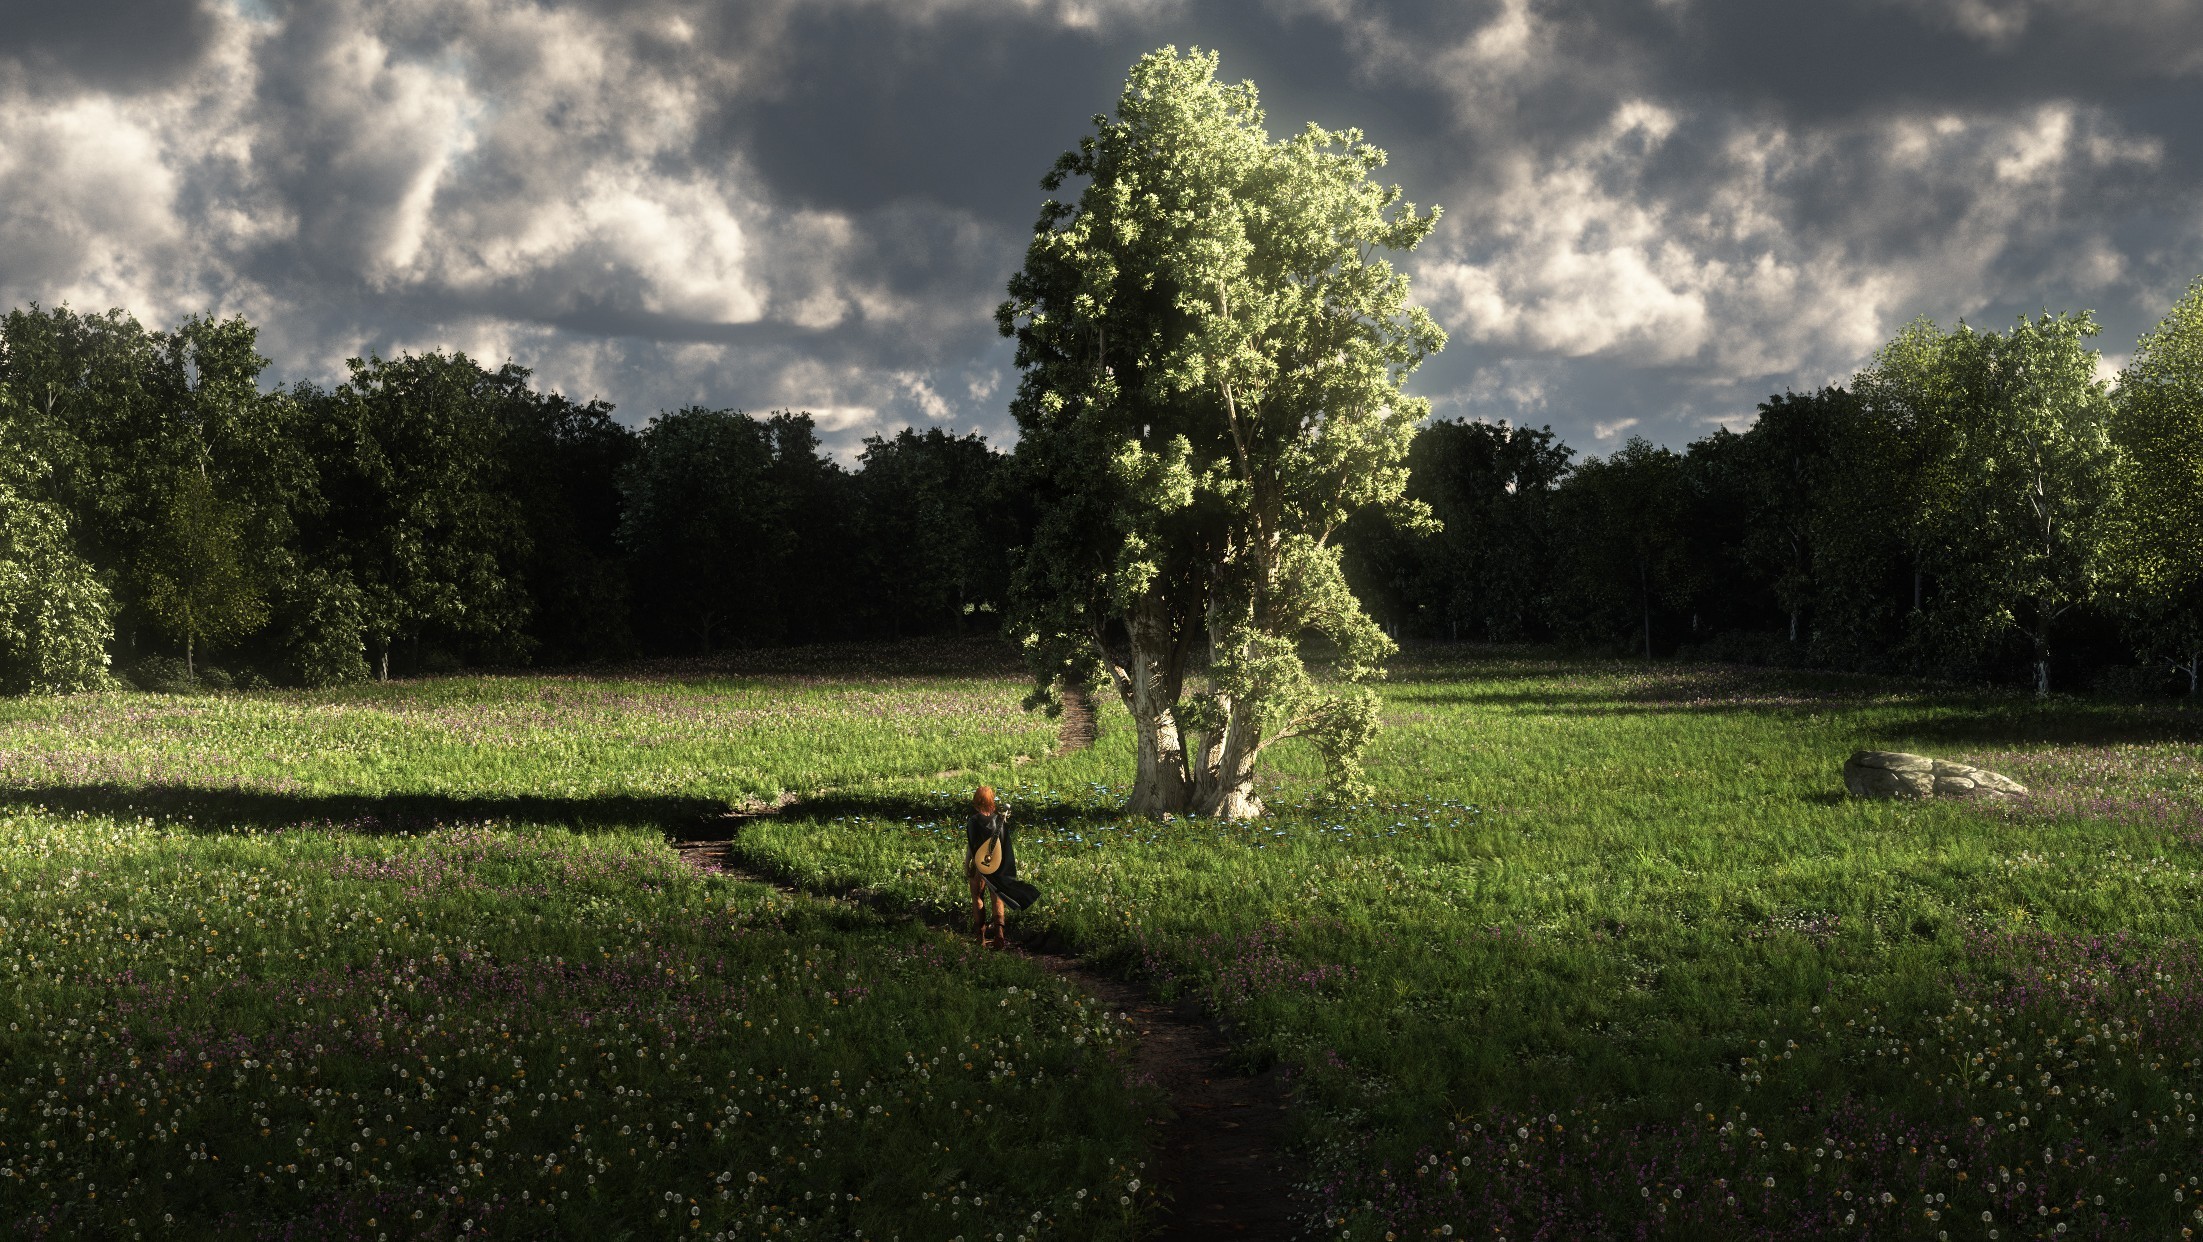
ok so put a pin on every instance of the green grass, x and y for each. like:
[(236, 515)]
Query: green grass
[(1612, 958), (1614, 937), (415, 962)]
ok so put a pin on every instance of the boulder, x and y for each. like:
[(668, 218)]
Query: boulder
[(1896, 774)]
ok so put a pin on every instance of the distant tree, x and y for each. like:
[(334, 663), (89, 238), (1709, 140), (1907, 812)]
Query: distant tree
[(1213, 354), (564, 462), (1488, 572), (120, 413), (813, 588), (2158, 534), (935, 527), (706, 528), (2017, 472), (415, 505), (1625, 541), (193, 578), (54, 614), (1759, 498)]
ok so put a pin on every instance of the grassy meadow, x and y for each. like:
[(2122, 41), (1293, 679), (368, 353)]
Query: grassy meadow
[(415, 961), (1612, 957)]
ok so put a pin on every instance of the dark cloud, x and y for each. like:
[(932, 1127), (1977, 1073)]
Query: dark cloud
[(123, 46), (1657, 213)]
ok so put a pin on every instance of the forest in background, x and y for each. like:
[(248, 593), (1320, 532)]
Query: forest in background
[(1975, 505)]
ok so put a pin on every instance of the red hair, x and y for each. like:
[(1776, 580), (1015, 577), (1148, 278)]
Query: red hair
[(983, 800)]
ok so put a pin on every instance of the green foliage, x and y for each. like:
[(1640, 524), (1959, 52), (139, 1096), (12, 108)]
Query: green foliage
[(120, 414), (194, 581), (322, 635), (1624, 528), (414, 505), (1487, 572), (564, 465), (708, 533), (1212, 356), (55, 616), (937, 523), (2158, 424), (2016, 473)]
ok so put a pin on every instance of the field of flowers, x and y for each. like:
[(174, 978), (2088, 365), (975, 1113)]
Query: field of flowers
[(1615, 957), (414, 961)]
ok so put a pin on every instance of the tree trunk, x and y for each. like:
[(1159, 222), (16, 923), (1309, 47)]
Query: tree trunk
[(1916, 584), (1793, 627), (1224, 760), (1149, 682), (189, 670), (2194, 666), (1644, 600), (1226, 788), (385, 674)]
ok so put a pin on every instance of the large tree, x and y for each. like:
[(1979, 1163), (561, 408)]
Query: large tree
[(1213, 350), (2016, 478), (415, 507), (2158, 422)]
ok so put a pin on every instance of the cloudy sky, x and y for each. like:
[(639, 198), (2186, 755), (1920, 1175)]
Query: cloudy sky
[(1657, 211)]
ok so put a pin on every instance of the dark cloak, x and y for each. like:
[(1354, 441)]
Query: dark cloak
[(1015, 893)]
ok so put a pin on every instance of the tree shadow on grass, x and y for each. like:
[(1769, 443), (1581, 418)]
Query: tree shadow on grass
[(233, 810), (2054, 725), (895, 808)]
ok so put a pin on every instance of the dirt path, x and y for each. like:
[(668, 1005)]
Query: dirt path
[(1078, 728), (1215, 1159)]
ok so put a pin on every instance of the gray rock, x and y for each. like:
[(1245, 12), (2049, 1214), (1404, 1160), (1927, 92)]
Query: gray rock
[(1896, 774)]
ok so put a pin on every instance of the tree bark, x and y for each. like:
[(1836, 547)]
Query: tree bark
[(1226, 787), (1224, 760), (1644, 600), (1150, 682)]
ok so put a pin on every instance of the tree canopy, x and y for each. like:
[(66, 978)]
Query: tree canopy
[(1213, 351)]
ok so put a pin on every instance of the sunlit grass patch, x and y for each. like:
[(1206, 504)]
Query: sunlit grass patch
[(294, 966), (1616, 938)]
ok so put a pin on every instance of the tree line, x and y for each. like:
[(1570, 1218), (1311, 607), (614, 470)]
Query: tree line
[(1974, 504), (167, 515)]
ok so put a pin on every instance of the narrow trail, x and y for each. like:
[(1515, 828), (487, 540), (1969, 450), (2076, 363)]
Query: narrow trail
[(1215, 1148), (1078, 728)]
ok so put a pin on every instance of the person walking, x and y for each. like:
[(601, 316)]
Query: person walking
[(990, 868)]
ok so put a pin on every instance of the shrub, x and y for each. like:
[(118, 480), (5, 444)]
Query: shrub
[(160, 674), (55, 617), (320, 631)]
